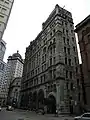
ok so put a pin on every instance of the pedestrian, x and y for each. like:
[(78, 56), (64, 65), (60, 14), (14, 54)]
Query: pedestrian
[(45, 109), (56, 113)]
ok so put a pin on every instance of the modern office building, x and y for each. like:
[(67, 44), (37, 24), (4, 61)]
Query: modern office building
[(83, 32), (50, 71), (5, 10)]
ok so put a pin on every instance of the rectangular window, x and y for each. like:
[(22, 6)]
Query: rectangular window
[(51, 34), (64, 39), (50, 73), (67, 32), (42, 68), (65, 24), (66, 74), (74, 48), (42, 58), (71, 86), (63, 30), (51, 50), (44, 77), (37, 80), (54, 40), (65, 60), (65, 49), (41, 79), (73, 39), (54, 73), (71, 25), (38, 70), (70, 75), (44, 42), (50, 61), (71, 31), (45, 57), (54, 48), (75, 59), (54, 60), (54, 31), (69, 51), (68, 41), (69, 61)]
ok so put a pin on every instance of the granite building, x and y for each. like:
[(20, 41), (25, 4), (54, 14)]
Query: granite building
[(5, 10), (83, 32), (14, 69), (50, 67)]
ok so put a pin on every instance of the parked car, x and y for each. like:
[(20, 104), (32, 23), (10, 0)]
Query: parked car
[(0, 108), (40, 111), (9, 108), (85, 116)]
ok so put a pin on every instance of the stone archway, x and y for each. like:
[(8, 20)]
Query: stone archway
[(34, 100), (22, 101), (26, 100), (41, 99), (51, 104), (30, 100)]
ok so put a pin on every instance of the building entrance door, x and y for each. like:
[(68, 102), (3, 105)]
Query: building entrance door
[(51, 106)]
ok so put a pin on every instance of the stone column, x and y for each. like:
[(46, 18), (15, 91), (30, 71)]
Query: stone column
[(62, 105), (62, 90), (57, 96), (45, 91)]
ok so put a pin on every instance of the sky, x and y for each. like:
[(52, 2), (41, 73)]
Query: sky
[(26, 20)]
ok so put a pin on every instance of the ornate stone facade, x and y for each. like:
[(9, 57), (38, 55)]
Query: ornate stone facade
[(83, 31), (14, 69), (50, 66)]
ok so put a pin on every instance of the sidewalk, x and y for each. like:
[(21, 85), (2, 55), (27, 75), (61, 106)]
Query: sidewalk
[(46, 116), (62, 117)]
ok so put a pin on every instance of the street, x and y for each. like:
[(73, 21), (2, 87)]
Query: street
[(28, 115)]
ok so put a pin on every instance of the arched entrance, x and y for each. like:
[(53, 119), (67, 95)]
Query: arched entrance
[(22, 101), (25, 100), (51, 104), (41, 99), (34, 100), (30, 100)]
